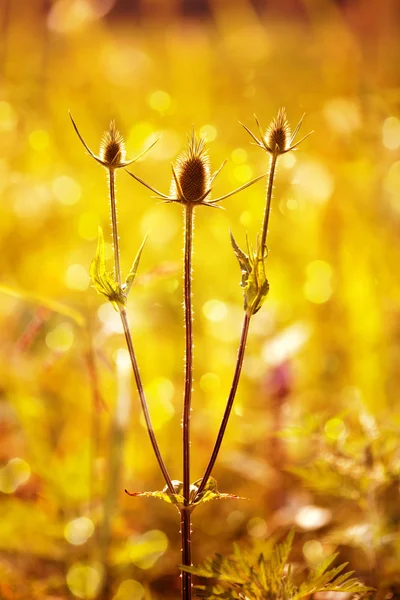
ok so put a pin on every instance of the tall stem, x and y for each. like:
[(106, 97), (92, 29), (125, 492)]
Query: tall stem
[(229, 404), (271, 175), (243, 339), (114, 224), (129, 341), (187, 292)]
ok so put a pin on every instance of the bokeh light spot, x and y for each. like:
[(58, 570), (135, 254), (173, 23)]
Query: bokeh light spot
[(167, 146), (391, 133), (70, 15), (391, 184), (84, 580), (246, 218), (15, 473), (161, 226), (313, 181), (318, 285), (77, 277), (146, 549), (288, 160), (239, 156), (210, 132), (160, 393), (39, 140), (215, 310), (313, 552), (130, 589), (286, 344), (66, 190), (312, 517), (210, 382), (160, 101), (8, 117), (257, 527), (243, 173), (61, 338), (343, 115), (110, 319), (78, 531), (335, 429), (137, 135)]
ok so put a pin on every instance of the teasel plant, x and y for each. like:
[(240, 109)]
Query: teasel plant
[(191, 186)]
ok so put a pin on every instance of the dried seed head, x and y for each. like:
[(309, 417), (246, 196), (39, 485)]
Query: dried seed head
[(277, 136), (112, 147), (192, 171)]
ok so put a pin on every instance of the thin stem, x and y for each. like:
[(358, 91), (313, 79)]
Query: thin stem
[(185, 514), (143, 402), (186, 554), (129, 341), (271, 175), (229, 404), (114, 224), (188, 248)]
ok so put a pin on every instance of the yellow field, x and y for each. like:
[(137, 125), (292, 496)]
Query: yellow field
[(314, 435)]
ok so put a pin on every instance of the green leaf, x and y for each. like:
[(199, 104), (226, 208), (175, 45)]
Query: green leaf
[(132, 273), (103, 281), (165, 494), (254, 280), (210, 492)]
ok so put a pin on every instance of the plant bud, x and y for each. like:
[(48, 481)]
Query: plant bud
[(277, 137), (192, 172), (112, 148)]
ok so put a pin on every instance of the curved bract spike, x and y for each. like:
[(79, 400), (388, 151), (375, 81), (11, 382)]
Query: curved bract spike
[(218, 171), (239, 189), (92, 154), (148, 186), (129, 162), (180, 194)]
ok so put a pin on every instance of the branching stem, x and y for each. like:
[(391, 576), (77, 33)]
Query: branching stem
[(185, 514)]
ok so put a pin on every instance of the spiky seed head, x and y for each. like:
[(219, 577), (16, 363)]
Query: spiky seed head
[(112, 147), (277, 137), (193, 171)]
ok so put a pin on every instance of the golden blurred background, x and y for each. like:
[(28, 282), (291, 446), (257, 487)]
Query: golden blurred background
[(313, 439)]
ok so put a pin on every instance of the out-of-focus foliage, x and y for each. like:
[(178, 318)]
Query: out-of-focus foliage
[(323, 350), (256, 577)]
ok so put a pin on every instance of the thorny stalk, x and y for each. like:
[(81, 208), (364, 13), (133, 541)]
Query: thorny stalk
[(114, 225), (270, 185), (185, 514)]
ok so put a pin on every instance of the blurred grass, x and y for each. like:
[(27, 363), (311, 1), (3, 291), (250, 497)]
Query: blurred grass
[(326, 342)]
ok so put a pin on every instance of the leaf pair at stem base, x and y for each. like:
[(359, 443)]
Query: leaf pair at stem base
[(209, 492)]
